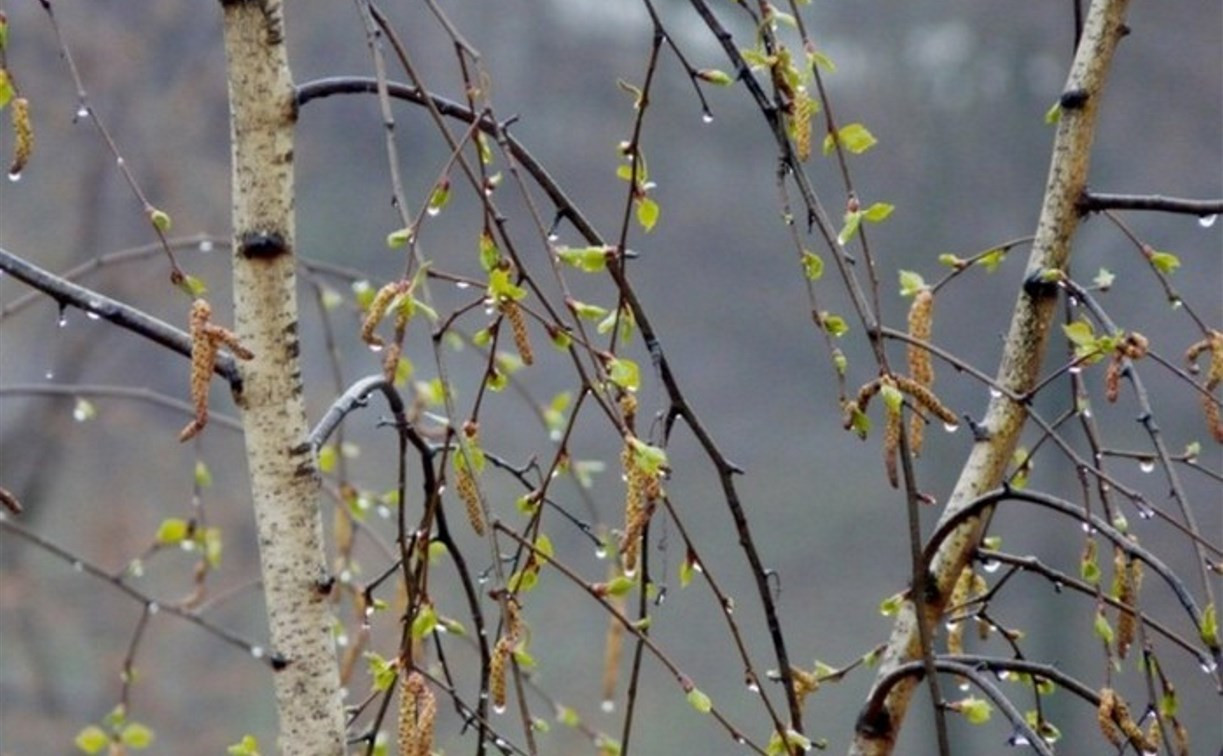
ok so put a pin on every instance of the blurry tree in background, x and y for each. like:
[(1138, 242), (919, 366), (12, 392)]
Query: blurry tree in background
[(601, 487)]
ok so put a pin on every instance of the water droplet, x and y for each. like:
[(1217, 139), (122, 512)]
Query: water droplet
[(257, 652), (752, 687), (1145, 511), (498, 709), (1086, 412), (1002, 674), (964, 687), (82, 111), (206, 245), (1072, 301), (706, 117), (369, 611), (3, 516), (1206, 221), (1076, 369), (608, 705), (14, 176), (119, 161), (951, 427), (994, 393), (696, 566), (49, 375), (1146, 465), (600, 552), (740, 740), (345, 577), (554, 237), (433, 210), (462, 285), (93, 315), (375, 348), (187, 544), (154, 607), (78, 566), (1208, 666), (1176, 301), (630, 574), (993, 565), (63, 318), (1018, 741), (341, 641), (951, 625), (384, 511)]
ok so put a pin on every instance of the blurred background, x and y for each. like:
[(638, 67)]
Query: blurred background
[(955, 94)]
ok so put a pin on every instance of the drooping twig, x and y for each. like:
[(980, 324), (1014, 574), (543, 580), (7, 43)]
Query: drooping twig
[(1095, 202)]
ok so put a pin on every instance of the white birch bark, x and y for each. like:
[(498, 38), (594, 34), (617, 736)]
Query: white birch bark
[(284, 478)]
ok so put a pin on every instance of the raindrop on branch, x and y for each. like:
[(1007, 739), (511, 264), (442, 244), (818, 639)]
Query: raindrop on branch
[(1206, 221)]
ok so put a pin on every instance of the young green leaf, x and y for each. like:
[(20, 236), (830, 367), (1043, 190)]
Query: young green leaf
[(714, 76), (853, 219), (624, 373), (399, 238), (647, 213), (1165, 262), (1209, 629), (425, 622), (910, 283), (813, 265), (489, 254), (700, 701), (160, 220), (878, 212), (92, 739), (854, 137), (136, 736), (171, 531), (976, 710), (589, 259)]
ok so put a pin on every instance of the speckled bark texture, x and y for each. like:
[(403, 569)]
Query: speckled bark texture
[(284, 480), (878, 727)]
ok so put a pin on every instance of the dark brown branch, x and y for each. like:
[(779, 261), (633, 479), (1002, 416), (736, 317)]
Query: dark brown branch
[(123, 315), (1095, 202)]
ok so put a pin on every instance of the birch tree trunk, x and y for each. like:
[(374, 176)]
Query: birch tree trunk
[(284, 479), (879, 725)]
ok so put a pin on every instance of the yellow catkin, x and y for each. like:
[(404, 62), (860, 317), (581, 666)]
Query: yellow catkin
[(1104, 716), (417, 714), (1126, 575), (891, 445), (23, 135), (206, 338), (466, 485), (926, 399), (628, 408), (921, 366), (805, 683), (612, 649), (1210, 407), (377, 311), (959, 596), (1214, 376), (390, 361), (633, 508), (804, 106), (497, 670), (518, 327), (1112, 379)]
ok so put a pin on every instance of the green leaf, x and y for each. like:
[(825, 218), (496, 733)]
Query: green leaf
[(840, 361), (567, 716), (327, 458), (1089, 569), (976, 710), (823, 61), (834, 324), (1165, 262), (589, 259), (554, 413), (588, 311), (489, 254), (500, 288), (624, 373), (620, 586), (878, 212), (364, 292), (853, 219), (439, 198), (854, 137), (193, 286), (1103, 630), (714, 76), (911, 283), (860, 423), (813, 265), (1104, 279), (891, 605), (991, 260), (437, 551), (1209, 629), (686, 571), (248, 746), (381, 670), (92, 739), (403, 371), (1168, 703), (1054, 114), (6, 89), (543, 547), (203, 478), (171, 531), (160, 220), (892, 398), (212, 544), (950, 260), (136, 736), (1080, 333), (700, 701), (647, 213), (399, 239), (523, 582), (649, 459), (425, 622)]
